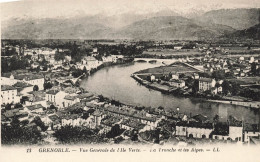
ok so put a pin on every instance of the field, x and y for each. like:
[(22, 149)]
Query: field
[(247, 80), (170, 52), (176, 67)]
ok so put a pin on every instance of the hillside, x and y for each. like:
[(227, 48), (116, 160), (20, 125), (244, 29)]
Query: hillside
[(250, 33), (55, 28), (165, 24), (236, 18), (172, 27)]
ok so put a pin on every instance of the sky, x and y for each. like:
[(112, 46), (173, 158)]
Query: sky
[(70, 8)]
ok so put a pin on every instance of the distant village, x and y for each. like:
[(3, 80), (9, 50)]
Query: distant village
[(41, 93)]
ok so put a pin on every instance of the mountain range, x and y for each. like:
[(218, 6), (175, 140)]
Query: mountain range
[(165, 24)]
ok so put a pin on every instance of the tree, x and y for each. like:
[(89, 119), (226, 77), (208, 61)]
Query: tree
[(11, 135), (52, 107), (15, 122), (115, 131), (161, 108), (216, 118), (218, 75), (8, 106), (235, 88), (18, 105), (37, 120), (23, 99), (69, 134), (76, 73), (101, 98), (226, 87), (85, 70), (35, 88), (59, 56), (253, 68), (195, 87), (189, 82), (47, 85)]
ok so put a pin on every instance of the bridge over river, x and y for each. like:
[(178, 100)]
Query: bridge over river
[(164, 61), (167, 62)]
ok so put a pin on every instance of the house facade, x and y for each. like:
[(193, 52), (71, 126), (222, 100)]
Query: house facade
[(206, 84), (9, 94)]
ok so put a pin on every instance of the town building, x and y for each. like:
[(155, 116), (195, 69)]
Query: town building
[(177, 83), (56, 97), (23, 88), (9, 94), (194, 129), (206, 84)]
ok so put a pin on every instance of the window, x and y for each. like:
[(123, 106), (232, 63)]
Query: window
[(183, 129)]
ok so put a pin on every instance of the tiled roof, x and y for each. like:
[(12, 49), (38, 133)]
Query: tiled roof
[(250, 127), (85, 95), (97, 113), (69, 97), (111, 121), (34, 107), (53, 92), (205, 79), (71, 90), (36, 99), (22, 85), (133, 124), (72, 116), (28, 77), (54, 117), (234, 122), (195, 125), (130, 112), (200, 118), (7, 88)]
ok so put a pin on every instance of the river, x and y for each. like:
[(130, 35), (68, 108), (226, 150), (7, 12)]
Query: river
[(115, 83)]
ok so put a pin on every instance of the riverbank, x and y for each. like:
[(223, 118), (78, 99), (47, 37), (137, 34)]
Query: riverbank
[(255, 105), (104, 65), (154, 86), (167, 89)]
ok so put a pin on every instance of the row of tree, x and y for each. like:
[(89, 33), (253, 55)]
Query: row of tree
[(14, 63), (76, 135), (18, 134)]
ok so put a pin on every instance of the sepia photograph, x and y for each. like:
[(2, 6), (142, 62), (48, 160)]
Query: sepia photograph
[(130, 78)]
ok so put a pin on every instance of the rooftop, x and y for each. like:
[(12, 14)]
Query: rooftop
[(85, 95), (71, 116), (195, 125), (97, 113), (200, 118), (234, 122), (111, 121), (34, 107), (22, 85), (53, 92), (28, 77), (133, 124), (205, 79), (7, 88), (70, 97)]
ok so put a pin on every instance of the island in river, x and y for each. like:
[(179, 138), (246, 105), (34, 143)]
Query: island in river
[(115, 83), (183, 79)]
